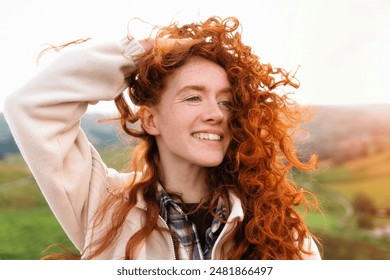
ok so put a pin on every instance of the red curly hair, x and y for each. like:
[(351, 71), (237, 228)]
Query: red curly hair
[(256, 165)]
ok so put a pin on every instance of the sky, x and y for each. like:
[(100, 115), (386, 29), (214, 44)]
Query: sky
[(341, 48)]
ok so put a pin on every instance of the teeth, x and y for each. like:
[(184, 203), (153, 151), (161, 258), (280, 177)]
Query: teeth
[(207, 136)]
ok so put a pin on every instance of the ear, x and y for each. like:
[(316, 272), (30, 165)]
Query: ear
[(147, 118)]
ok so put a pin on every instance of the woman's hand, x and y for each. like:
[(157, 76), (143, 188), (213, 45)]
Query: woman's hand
[(148, 43)]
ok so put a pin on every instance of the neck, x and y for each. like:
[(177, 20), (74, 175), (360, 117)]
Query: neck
[(187, 181)]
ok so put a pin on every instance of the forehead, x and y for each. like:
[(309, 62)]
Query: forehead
[(199, 70)]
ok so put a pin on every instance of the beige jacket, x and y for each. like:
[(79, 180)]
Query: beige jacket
[(44, 117)]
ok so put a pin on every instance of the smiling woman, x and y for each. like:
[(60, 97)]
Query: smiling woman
[(198, 92), (209, 176)]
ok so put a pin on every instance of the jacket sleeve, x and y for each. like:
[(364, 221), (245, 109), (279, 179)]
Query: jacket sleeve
[(44, 118)]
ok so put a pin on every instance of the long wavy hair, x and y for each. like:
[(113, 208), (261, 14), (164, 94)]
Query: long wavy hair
[(257, 163)]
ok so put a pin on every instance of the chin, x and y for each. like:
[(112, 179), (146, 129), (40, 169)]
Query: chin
[(208, 159), (211, 163)]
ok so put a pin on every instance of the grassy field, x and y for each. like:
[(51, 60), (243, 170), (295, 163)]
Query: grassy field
[(27, 225), (337, 187), (369, 176), (25, 233)]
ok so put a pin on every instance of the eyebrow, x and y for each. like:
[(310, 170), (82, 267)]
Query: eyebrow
[(202, 89)]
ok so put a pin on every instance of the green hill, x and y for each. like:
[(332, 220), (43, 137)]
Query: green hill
[(100, 134), (368, 175)]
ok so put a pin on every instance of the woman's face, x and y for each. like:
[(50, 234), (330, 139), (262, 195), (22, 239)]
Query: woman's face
[(192, 115)]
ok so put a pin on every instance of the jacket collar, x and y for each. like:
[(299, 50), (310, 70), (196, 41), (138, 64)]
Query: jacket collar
[(236, 207)]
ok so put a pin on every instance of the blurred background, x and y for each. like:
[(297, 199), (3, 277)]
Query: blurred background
[(339, 50)]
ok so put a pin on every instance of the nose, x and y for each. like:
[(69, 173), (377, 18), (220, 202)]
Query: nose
[(213, 112)]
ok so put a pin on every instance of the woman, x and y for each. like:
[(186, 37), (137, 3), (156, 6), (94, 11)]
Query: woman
[(209, 176)]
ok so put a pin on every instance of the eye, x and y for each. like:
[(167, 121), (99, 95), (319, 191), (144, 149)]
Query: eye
[(193, 98), (225, 105)]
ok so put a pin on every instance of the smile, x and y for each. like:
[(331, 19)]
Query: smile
[(206, 136)]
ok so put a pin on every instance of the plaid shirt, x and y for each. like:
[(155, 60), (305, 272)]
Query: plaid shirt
[(178, 223)]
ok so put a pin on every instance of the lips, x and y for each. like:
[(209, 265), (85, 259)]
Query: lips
[(207, 136)]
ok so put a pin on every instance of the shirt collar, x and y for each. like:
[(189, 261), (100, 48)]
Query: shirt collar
[(185, 231)]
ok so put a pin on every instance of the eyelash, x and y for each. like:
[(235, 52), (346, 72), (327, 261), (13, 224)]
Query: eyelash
[(227, 105), (193, 98)]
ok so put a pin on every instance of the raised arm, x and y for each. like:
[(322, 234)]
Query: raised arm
[(44, 117)]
